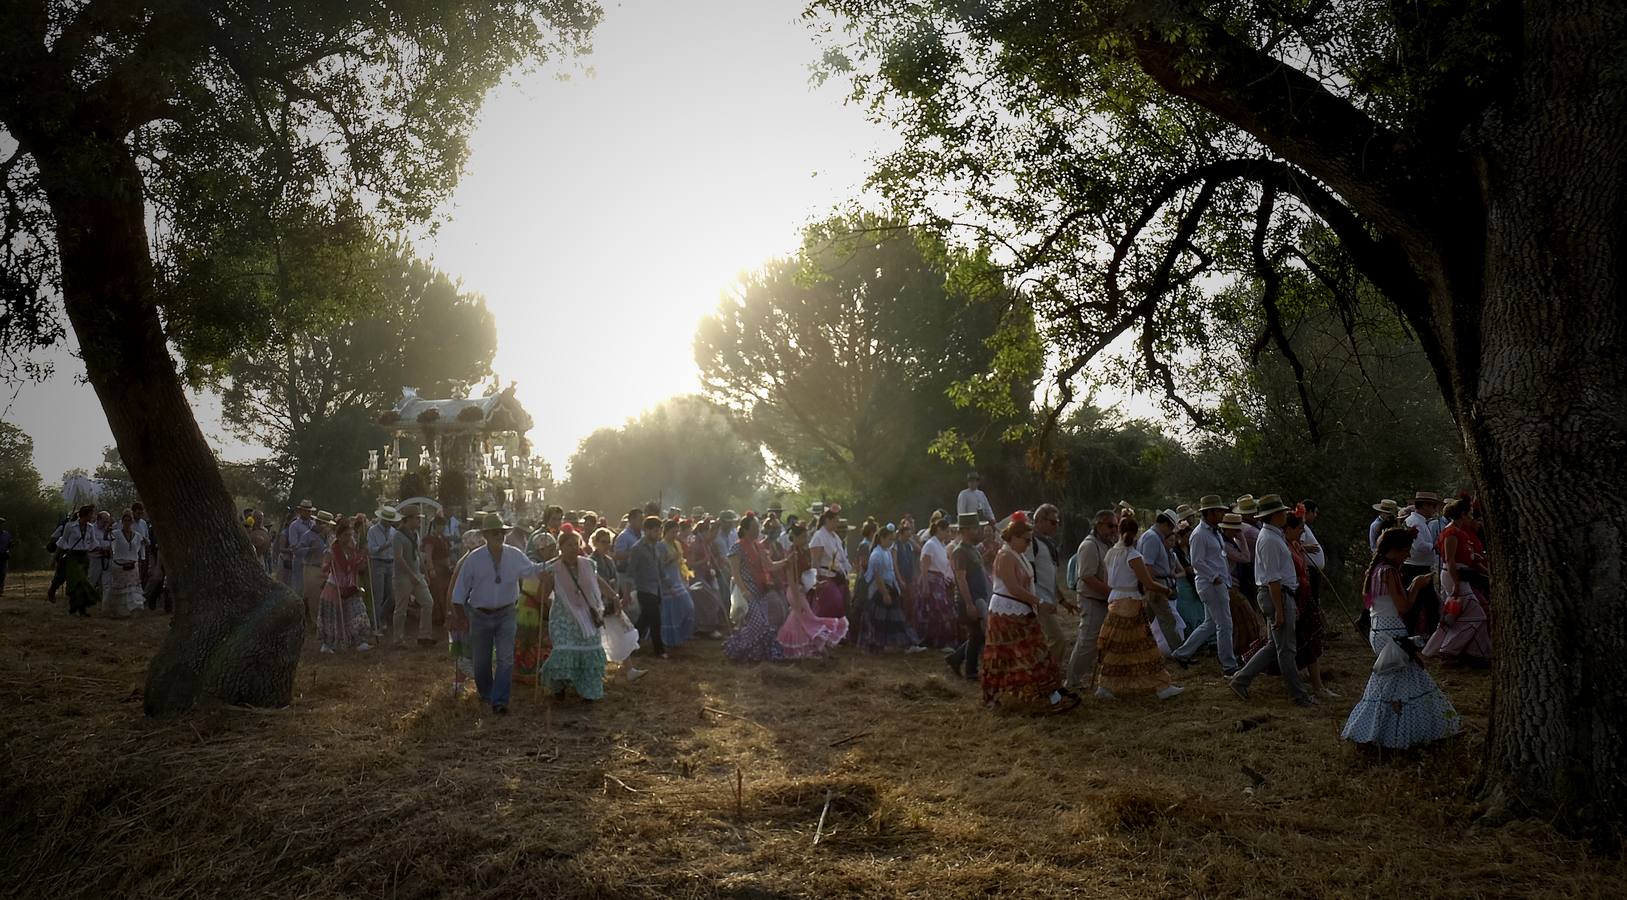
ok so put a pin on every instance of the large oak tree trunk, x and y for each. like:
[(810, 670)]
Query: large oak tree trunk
[(1544, 412), (236, 634)]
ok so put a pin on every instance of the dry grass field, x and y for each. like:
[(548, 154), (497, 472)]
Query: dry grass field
[(708, 780)]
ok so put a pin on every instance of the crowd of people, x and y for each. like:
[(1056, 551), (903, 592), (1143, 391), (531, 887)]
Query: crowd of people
[(566, 604)]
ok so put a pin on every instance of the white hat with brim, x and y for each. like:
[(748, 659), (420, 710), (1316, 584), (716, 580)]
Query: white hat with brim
[(1232, 522), (387, 514)]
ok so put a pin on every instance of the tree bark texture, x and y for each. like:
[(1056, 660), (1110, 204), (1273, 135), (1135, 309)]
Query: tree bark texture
[(1544, 417), (237, 633)]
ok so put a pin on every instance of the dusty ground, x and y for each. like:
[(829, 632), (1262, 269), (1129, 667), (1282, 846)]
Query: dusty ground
[(708, 780)]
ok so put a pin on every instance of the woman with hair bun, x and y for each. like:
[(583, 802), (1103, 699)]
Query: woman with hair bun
[(1127, 656), (1018, 673)]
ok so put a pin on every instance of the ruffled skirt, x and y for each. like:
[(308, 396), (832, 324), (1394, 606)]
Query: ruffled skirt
[(529, 648), (1127, 657), (1401, 708), (341, 622), (677, 616), (1017, 672), (830, 598), (710, 613), (1469, 635), (575, 660), (882, 626), (1246, 624), (755, 640), (805, 634), (935, 621)]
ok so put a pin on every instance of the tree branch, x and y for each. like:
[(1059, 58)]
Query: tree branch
[(1265, 267), (1398, 189)]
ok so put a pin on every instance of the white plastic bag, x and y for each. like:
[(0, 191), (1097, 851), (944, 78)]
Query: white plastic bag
[(618, 637), (1390, 659)]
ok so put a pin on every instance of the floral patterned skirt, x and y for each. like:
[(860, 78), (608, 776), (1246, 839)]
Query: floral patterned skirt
[(1127, 656), (935, 621), (575, 660), (341, 622), (1017, 671)]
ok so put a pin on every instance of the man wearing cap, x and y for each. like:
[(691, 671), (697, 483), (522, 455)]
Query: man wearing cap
[(1274, 573), (1213, 574), (1423, 560), (488, 590), (973, 500), (1153, 545), (411, 586), (381, 564), (1090, 581)]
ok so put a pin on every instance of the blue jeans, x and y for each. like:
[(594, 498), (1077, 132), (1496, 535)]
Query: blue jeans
[(491, 632), (1217, 602)]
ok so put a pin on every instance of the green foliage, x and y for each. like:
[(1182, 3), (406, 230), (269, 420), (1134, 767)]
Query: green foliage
[(681, 453), (394, 321), (30, 512), (329, 455), (865, 352), (271, 138), (118, 488)]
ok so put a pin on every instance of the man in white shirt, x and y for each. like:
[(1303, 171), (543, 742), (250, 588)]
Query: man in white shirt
[(1153, 545), (1423, 560), (1213, 573), (381, 564), (75, 539), (1274, 574), (1091, 584), (411, 589), (973, 500), (486, 594)]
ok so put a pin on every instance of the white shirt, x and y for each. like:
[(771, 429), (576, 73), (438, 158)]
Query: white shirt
[(127, 550), (1273, 561), (1121, 575), (71, 537), (1002, 601), (487, 584), (1372, 533), (1209, 556), (1423, 545), (936, 557), (975, 501), (1316, 557), (139, 527), (834, 554)]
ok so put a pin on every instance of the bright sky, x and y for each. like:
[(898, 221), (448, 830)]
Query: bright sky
[(603, 216)]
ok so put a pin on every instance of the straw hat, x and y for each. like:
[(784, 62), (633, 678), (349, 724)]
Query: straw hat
[(306, 506), (1185, 512), (326, 518), (492, 522), (1232, 522), (1246, 506), (1212, 501), (387, 514), (1269, 504), (1167, 515), (1426, 497), (968, 520), (1387, 507)]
